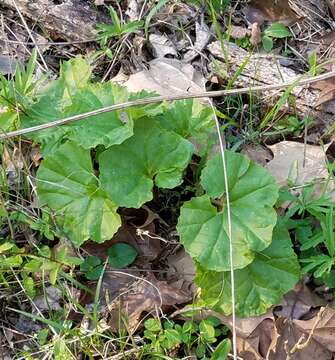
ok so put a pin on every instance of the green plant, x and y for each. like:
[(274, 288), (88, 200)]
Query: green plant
[(314, 231), (111, 160), (106, 32), (274, 31), (16, 93), (190, 336)]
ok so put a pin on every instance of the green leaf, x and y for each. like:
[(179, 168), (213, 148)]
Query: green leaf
[(6, 246), (67, 184), (267, 43), (7, 120), (222, 350), (92, 267), (153, 325), (121, 255), (54, 98), (170, 339), (192, 120), (260, 285), (277, 31), (203, 229), (153, 155), (10, 261), (105, 129), (29, 286), (207, 331)]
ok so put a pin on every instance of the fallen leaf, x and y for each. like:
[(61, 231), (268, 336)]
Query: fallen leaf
[(182, 264), (166, 76), (327, 90), (312, 339), (299, 303), (127, 297), (303, 163), (161, 45), (269, 10), (49, 300), (256, 34), (261, 155), (203, 35), (239, 32)]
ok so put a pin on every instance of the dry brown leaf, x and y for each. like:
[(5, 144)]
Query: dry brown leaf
[(203, 35), (269, 10), (302, 164), (299, 303), (304, 339), (239, 32), (182, 264), (128, 297), (327, 88), (261, 155), (166, 77), (256, 34)]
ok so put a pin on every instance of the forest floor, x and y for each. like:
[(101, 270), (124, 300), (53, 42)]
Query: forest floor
[(191, 218)]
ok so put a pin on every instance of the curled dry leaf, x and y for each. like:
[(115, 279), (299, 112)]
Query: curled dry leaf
[(127, 297)]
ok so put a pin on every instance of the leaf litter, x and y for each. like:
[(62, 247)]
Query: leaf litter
[(132, 294)]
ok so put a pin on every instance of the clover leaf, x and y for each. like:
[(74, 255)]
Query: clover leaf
[(67, 184), (203, 228), (151, 156), (258, 286)]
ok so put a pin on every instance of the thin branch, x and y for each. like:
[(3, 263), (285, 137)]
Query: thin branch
[(152, 100)]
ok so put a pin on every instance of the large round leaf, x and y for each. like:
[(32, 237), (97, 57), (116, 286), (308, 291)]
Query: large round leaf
[(73, 94), (260, 285), (204, 230), (152, 156), (67, 184), (193, 121)]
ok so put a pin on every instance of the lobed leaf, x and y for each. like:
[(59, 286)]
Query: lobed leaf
[(192, 120), (67, 184), (261, 284), (151, 156), (73, 94), (203, 229)]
